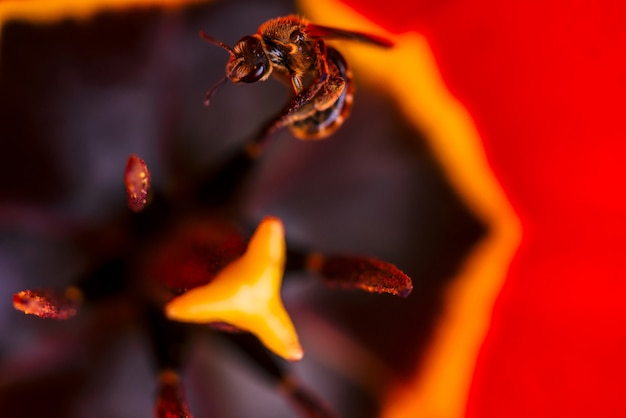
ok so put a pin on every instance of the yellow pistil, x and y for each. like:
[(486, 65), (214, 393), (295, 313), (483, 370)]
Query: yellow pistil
[(246, 294)]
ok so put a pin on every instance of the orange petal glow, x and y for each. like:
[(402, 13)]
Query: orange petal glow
[(51, 10), (246, 294)]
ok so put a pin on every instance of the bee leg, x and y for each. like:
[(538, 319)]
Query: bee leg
[(329, 93), (298, 102), (290, 112), (325, 98)]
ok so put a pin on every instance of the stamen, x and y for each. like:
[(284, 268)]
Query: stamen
[(137, 179), (357, 272), (305, 401), (48, 304), (171, 401)]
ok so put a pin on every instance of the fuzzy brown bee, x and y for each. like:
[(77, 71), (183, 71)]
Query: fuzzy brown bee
[(295, 51)]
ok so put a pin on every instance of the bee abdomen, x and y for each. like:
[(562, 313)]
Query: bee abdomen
[(322, 124)]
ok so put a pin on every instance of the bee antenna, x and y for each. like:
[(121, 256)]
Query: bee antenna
[(212, 90), (217, 42)]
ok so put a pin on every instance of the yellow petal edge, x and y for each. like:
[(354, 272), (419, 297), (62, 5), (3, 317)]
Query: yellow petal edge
[(246, 294)]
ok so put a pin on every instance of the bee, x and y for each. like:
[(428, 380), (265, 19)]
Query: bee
[(295, 51)]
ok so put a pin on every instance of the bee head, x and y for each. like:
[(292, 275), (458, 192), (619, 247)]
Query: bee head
[(248, 63)]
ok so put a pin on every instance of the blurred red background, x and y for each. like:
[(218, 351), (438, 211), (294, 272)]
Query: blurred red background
[(544, 84)]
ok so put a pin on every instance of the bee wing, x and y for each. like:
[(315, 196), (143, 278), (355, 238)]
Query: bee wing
[(325, 32)]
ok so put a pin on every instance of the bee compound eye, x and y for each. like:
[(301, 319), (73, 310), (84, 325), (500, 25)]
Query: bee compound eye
[(255, 74), (296, 36)]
